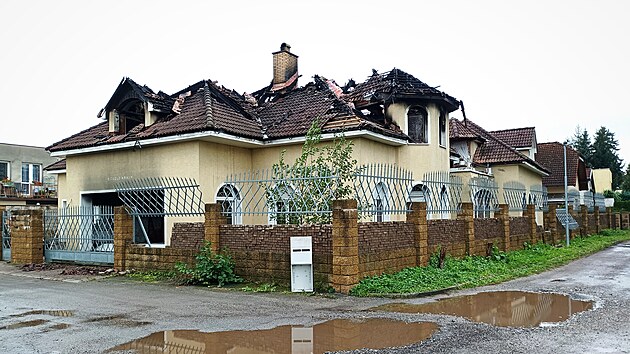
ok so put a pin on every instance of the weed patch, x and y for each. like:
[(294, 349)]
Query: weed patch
[(475, 271)]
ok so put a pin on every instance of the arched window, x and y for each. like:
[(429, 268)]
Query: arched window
[(380, 198), (482, 203), (443, 136), (421, 194), (230, 201), (417, 124), (282, 205)]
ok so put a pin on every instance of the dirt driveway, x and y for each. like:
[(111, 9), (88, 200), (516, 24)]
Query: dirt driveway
[(93, 316)]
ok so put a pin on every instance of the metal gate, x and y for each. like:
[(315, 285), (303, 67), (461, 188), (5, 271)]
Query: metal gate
[(6, 235), (83, 235)]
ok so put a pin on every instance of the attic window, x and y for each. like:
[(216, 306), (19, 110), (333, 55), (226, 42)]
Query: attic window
[(130, 114), (417, 124)]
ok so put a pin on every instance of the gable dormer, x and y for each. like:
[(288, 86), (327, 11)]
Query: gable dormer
[(132, 105)]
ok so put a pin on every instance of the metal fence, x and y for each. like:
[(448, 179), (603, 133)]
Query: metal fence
[(566, 219), (600, 201), (484, 194), (574, 198), (515, 195), (79, 234), (443, 194), (304, 195), (539, 197), (382, 190), (6, 234)]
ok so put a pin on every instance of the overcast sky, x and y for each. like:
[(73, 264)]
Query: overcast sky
[(548, 64)]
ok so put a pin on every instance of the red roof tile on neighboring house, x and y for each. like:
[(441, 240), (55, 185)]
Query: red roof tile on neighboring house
[(518, 137), (551, 155), (493, 150), (56, 166), (459, 130)]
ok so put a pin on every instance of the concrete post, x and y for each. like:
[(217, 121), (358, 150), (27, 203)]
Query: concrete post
[(123, 235), (467, 215), (2, 209), (212, 225), (345, 242), (418, 217), (27, 235)]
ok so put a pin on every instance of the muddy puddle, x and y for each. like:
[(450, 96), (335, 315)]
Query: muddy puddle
[(332, 335), (501, 308), (24, 324), (56, 313)]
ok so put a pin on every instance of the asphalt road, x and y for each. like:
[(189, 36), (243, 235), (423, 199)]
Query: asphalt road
[(104, 313)]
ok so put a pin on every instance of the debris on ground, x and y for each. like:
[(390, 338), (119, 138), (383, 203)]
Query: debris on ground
[(68, 269)]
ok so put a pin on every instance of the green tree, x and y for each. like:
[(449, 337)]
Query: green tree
[(581, 142), (605, 148), (303, 192)]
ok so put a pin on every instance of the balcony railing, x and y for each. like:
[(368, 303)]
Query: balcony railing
[(28, 190)]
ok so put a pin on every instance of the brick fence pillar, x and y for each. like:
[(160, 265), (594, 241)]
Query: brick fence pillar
[(598, 226), (552, 223), (503, 214), (624, 221), (123, 235), (212, 225), (345, 242), (609, 216), (468, 217), (617, 220), (583, 220), (533, 227), (418, 217), (27, 235)]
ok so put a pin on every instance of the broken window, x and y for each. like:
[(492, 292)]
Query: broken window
[(442, 128), (131, 114), (417, 124)]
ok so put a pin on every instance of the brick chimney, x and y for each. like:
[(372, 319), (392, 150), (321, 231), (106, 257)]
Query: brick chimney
[(285, 71)]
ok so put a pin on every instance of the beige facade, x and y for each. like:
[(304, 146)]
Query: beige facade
[(603, 179)]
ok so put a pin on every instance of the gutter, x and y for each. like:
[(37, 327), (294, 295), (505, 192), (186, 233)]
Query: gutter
[(222, 137)]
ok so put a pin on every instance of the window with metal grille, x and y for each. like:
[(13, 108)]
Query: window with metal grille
[(417, 124)]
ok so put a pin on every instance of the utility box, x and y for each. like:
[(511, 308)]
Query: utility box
[(302, 264)]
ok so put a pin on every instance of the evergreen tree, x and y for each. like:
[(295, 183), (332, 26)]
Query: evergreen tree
[(625, 185), (604, 155), (581, 142)]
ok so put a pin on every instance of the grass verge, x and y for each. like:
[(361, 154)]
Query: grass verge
[(477, 271)]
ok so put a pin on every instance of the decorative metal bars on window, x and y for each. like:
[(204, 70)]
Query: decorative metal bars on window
[(515, 195), (161, 196), (539, 197), (484, 195), (305, 195), (442, 193), (79, 229), (382, 190), (600, 201)]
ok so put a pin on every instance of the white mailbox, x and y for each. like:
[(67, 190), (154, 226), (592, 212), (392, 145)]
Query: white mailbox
[(301, 264)]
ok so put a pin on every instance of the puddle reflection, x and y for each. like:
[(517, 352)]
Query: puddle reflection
[(501, 308), (332, 335), (32, 323)]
